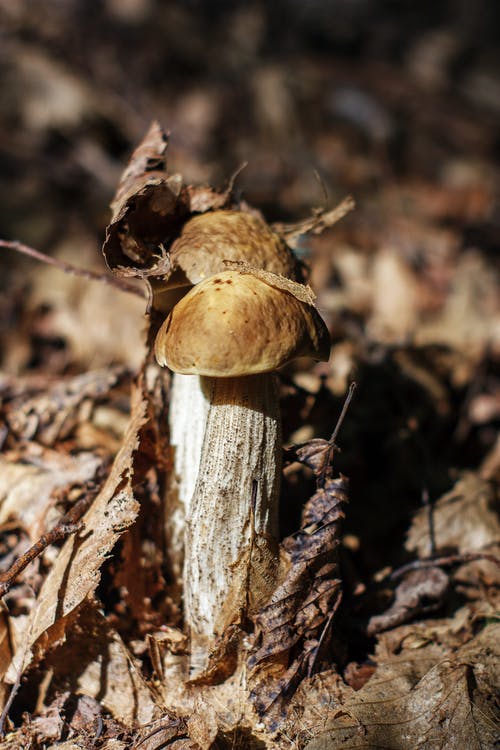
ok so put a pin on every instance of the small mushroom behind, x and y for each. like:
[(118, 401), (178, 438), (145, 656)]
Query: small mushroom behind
[(209, 239), (232, 331)]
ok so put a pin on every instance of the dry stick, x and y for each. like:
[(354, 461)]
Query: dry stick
[(444, 562), (67, 525), (327, 466), (114, 281), (347, 402)]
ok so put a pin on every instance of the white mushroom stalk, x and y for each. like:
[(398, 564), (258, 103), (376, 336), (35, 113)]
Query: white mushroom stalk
[(233, 330), (187, 417)]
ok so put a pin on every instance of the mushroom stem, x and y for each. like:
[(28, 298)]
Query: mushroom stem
[(187, 418), (230, 547)]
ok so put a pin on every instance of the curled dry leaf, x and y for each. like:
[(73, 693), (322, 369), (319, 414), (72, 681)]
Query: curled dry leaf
[(298, 615), (149, 209), (144, 210), (76, 571), (317, 223), (420, 592)]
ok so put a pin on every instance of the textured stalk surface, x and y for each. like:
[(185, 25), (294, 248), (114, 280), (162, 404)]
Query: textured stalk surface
[(187, 418), (230, 553)]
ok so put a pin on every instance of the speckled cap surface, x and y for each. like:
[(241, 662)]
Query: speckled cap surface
[(237, 323)]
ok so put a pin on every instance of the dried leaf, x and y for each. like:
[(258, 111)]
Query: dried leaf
[(146, 211), (449, 706), (299, 612), (6, 649), (222, 660), (95, 662), (465, 519), (148, 160), (162, 733), (316, 454), (53, 414), (27, 486), (76, 571), (420, 592), (317, 223), (302, 292)]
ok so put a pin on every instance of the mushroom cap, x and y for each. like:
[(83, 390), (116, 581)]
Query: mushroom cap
[(207, 240), (239, 323)]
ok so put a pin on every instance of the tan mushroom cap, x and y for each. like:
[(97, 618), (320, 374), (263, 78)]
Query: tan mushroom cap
[(209, 239), (235, 323)]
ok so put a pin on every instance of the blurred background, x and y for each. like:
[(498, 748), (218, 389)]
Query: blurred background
[(395, 103)]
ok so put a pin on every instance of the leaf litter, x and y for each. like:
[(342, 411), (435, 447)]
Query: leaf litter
[(339, 656)]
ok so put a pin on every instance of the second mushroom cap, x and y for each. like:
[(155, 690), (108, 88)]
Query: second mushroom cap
[(241, 323)]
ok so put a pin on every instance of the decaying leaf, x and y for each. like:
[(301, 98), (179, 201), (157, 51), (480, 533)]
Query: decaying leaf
[(450, 705), (76, 571), (149, 209), (297, 619), (54, 413), (165, 732), (27, 485), (95, 662), (420, 592)]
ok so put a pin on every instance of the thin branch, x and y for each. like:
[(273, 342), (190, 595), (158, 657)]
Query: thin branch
[(445, 562), (328, 460), (62, 265), (347, 402), (68, 524)]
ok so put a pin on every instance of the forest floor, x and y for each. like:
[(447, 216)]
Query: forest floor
[(406, 121)]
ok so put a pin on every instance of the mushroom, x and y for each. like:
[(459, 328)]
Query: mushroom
[(229, 333), (205, 243), (209, 239)]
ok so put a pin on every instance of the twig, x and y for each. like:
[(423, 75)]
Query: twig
[(326, 469), (429, 509), (347, 402), (68, 524), (317, 223), (113, 281), (8, 703), (323, 635), (444, 562)]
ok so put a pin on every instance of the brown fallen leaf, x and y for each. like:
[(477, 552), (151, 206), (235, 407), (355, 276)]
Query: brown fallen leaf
[(76, 571), (465, 519), (298, 616), (53, 414), (95, 662), (420, 592), (144, 210), (150, 207), (6, 650), (165, 732), (29, 481), (451, 705)]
